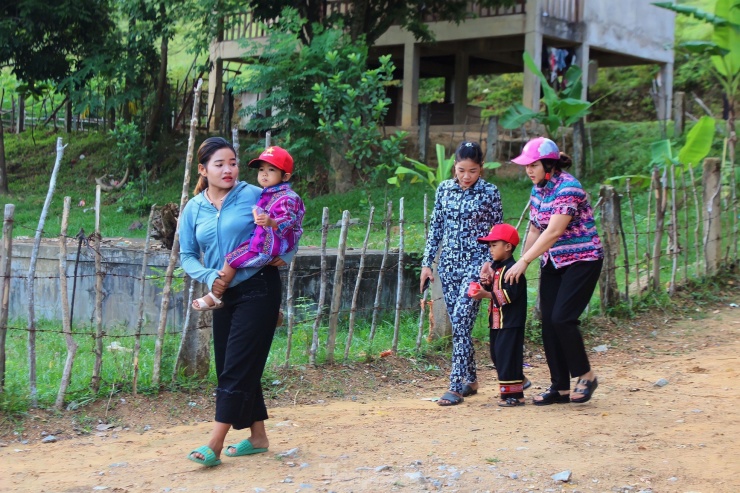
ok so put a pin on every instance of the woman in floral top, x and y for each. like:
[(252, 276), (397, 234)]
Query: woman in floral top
[(563, 232), (465, 208)]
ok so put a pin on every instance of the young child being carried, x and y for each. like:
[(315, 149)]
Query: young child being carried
[(507, 314), (278, 216)]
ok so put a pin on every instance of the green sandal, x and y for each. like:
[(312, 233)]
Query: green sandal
[(210, 456), (244, 447)]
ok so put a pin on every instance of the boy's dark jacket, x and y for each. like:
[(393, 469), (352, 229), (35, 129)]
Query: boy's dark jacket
[(514, 309)]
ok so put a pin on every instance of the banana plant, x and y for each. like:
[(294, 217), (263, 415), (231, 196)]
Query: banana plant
[(697, 147), (562, 109), (421, 173), (724, 53)]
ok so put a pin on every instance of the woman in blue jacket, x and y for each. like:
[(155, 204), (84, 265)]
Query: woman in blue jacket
[(212, 224), (465, 209)]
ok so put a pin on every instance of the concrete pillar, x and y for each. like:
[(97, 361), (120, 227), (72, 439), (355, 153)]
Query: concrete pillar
[(665, 97), (424, 120), (679, 113), (533, 46), (215, 94), (583, 54), (410, 94), (460, 88), (449, 87)]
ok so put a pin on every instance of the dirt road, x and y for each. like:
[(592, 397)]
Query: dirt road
[(633, 436)]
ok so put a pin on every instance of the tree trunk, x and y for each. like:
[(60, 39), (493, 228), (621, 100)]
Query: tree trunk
[(359, 16), (342, 172), (156, 115), (193, 359)]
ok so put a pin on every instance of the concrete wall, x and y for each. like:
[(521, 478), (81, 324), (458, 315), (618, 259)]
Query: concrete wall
[(633, 27), (121, 284)]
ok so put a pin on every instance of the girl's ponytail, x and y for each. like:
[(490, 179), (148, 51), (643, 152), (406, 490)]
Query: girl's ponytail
[(201, 185)]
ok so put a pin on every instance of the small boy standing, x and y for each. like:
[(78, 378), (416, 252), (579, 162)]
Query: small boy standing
[(507, 314)]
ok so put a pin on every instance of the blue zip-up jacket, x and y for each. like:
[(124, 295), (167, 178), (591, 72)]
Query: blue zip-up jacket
[(203, 228), (459, 218)]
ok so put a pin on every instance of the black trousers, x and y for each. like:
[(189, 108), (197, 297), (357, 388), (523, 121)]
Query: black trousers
[(242, 335), (564, 295), (507, 354)]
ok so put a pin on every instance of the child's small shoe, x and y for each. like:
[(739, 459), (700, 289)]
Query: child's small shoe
[(201, 305)]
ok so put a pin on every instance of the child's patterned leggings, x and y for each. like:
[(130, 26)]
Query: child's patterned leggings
[(463, 311)]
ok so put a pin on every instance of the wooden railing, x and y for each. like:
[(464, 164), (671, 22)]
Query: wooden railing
[(564, 10), (245, 26)]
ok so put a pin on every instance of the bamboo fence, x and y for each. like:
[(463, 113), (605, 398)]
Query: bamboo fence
[(681, 239)]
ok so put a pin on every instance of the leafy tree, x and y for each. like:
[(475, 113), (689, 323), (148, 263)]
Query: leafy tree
[(320, 85), (352, 104), (369, 19), (283, 73), (48, 40)]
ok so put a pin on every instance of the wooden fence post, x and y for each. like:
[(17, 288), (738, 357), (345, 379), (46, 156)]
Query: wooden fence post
[(32, 274), (698, 264), (66, 321), (685, 202), (289, 307), (712, 184), (660, 206), (356, 293), (21, 124), (322, 290), (399, 286), (610, 235), (381, 271), (174, 253), (6, 263), (98, 349), (674, 231), (636, 238), (336, 294), (423, 302), (140, 319)]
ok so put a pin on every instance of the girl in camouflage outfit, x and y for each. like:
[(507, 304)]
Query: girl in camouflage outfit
[(465, 208)]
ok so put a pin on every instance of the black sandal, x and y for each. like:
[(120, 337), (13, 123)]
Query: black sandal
[(467, 390), (587, 392), (551, 396), (511, 402), (451, 397)]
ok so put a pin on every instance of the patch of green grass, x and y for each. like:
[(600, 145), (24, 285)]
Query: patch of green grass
[(116, 372)]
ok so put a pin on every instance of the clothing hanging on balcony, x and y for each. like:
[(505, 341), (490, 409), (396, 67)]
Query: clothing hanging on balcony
[(555, 63)]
